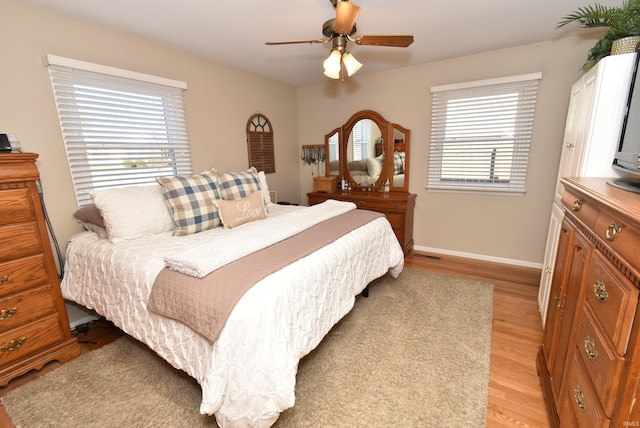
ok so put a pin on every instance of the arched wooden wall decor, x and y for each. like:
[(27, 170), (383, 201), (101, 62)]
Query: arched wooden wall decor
[(260, 144)]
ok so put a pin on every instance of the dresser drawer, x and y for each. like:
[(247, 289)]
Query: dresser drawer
[(583, 399), (24, 307), (565, 412), (613, 300), (22, 341), (602, 362), (621, 237), (382, 206), (22, 274), (584, 210), (15, 206), (19, 240), (396, 220)]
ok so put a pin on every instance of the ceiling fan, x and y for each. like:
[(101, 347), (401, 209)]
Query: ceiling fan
[(339, 31)]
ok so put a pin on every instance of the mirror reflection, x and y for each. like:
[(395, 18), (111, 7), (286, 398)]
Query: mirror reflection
[(399, 157), (332, 141), (365, 152)]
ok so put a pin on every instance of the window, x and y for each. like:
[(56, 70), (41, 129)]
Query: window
[(481, 134), (361, 139), (260, 144), (119, 128)]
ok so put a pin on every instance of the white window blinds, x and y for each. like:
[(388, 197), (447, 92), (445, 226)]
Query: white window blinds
[(119, 128), (481, 134)]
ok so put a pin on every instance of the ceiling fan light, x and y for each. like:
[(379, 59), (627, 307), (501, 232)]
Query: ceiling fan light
[(332, 64), (332, 75), (351, 64)]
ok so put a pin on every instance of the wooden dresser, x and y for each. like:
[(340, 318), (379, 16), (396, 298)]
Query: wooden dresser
[(589, 363), (396, 206), (34, 328)]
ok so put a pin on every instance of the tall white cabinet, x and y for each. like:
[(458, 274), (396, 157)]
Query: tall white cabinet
[(594, 120)]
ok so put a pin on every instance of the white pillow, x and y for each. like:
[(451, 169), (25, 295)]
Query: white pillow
[(264, 188), (374, 166), (132, 212)]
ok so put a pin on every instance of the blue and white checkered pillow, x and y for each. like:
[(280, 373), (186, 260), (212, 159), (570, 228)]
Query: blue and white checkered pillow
[(191, 201), (236, 185), (398, 163)]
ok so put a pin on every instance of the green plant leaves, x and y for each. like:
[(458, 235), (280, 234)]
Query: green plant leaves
[(622, 22)]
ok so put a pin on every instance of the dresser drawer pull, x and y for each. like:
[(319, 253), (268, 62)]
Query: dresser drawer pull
[(14, 344), (577, 204), (578, 397), (601, 291), (590, 348), (4, 279), (612, 231), (5, 314)]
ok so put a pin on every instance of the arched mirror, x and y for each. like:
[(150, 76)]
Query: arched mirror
[(371, 152), (364, 137)]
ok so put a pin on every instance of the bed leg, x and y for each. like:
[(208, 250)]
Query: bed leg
[(365, 292)]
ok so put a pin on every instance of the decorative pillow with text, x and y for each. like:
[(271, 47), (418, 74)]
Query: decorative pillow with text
[(239, 211)]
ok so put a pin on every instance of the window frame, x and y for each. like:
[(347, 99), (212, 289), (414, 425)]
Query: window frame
[(114, 121), (459, 121)]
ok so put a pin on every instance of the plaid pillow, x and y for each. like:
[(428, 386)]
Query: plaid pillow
[(191, 201), (236, 185), (398, 163)]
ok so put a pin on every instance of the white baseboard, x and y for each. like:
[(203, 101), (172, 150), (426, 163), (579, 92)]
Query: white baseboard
[(521, 263)]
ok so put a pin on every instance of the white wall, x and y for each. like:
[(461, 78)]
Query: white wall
[(503, 228), (218, 102)]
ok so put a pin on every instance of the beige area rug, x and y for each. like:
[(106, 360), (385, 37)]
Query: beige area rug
[(415, 353)]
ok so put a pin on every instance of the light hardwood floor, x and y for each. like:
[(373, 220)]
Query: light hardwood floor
[(515, 395)]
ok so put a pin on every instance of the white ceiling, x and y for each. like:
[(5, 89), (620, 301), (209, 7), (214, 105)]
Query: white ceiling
[(233, 32)]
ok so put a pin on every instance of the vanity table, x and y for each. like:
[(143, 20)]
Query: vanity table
[(396, 206), (365, 153)]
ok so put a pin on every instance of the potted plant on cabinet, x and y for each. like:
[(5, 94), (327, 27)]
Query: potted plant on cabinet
[(623, 23)]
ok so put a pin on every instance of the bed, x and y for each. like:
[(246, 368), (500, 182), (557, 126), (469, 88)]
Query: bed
[(247, 373)]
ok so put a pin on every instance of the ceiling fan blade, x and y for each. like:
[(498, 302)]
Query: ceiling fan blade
[(346, 15), (391, 41), (294, 42)]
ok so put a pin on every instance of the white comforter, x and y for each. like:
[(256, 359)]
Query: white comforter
[(248, 375)]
